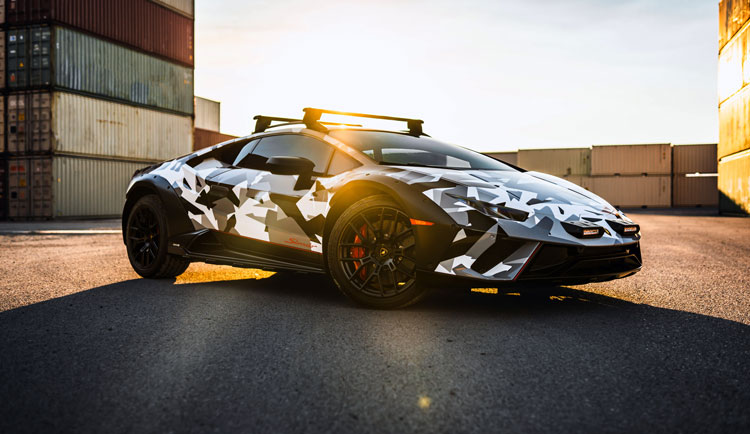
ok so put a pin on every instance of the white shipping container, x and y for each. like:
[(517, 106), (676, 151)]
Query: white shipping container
[(207, 114), (184, 7), (653, 159), (558, 162), (74, 124), (634, 191), (88, 187)]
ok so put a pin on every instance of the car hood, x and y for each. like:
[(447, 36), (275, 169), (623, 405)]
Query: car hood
[(547, 199)]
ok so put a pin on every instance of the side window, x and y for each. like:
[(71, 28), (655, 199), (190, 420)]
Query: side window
[(295, 145), (341, 163), (238, 161)]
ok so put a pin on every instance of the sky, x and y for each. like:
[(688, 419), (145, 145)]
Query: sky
[(490, 75)]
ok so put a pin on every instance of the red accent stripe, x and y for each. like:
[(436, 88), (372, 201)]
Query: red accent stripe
[(416, 222), (289, 246), (536, 249)]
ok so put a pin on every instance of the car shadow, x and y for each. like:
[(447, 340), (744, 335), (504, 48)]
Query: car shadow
[(289, 353)]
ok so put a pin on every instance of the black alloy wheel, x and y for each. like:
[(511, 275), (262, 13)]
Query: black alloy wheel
[(373, 260), (146, 240)]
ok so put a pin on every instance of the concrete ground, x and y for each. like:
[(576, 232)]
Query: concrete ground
[(87, 346)]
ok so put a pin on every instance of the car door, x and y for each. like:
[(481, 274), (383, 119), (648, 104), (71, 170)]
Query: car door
[(262, 207)]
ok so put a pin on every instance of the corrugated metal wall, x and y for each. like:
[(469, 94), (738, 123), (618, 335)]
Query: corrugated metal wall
[(207, 114), (634, 191), (206, 138), (734, 105), (90, 187), (690, 190), (632, 159), (44, 122), (87, 64), (558, 162), (141, 24), (508, 157), (185, 7), (734, 183)]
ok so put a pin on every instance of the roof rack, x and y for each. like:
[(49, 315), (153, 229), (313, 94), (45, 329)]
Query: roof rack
[(312, 120), (262, 123)]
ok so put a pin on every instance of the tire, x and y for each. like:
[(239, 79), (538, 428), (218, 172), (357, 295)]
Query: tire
[(146, 241), (370, 255)]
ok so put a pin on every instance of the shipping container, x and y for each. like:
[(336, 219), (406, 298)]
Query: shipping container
[(734, 183), (694, 159), (653, 159), (2, 11), (634, 191), (86, 64), (2, 124), (731, 67), (558, 162), (87, 187), (3, 186), (508, 157), (732, 16), (694, 190), (141, 24), (207, 114), (206, 138), (61, 122), (2, 59), (184, 7), (65, 186), (734, 124)]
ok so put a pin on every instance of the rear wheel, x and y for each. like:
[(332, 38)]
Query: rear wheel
[(371, 254), (146, 240)]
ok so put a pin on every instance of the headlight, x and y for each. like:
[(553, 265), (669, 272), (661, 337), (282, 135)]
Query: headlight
[(493, 209)]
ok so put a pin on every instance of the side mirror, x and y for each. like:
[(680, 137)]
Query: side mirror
[(290, 166)]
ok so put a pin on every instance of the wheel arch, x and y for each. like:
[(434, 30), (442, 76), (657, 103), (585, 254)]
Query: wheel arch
[(177, 219)]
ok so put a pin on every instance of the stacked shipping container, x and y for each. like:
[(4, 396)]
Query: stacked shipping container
[(631, 175), (734, 106), (207, 124), (93, 91)]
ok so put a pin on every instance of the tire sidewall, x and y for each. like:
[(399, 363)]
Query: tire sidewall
[(153, 203)]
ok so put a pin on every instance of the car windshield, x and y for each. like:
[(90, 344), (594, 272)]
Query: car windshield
[(405, 150)]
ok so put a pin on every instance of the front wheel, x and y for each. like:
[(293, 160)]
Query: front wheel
[(146, 240), (371, 255)]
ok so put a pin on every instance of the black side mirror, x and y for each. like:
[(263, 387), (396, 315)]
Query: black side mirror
[(293, 166)]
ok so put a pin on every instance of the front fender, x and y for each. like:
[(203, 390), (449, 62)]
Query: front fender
[(177, 218)]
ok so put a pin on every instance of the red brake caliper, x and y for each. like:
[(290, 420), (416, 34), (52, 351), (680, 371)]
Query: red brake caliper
[(359, 252)]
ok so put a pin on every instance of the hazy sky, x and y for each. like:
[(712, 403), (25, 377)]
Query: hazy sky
[(489, 75)]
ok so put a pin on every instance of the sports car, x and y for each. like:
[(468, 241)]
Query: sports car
[(386, 214)]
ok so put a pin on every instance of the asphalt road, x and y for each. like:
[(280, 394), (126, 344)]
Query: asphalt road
[(86, 346)]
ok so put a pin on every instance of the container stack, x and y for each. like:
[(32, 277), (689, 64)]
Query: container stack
[(573, 164), (207, 124), (92, 92), (631, 176), (734, 107)]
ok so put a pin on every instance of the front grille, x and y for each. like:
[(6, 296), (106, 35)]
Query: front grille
[(556, 261)]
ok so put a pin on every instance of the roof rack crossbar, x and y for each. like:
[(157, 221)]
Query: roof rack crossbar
[(312, 120), (262, 123)]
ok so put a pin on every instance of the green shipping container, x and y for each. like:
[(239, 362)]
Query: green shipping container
[(60, 58)]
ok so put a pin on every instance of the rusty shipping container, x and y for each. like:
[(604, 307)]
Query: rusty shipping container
[(184, 7), (634, 191), (207, 114), (508, 157), (61, 122), (734, 183), (653, 159), (558, 162), (65, 186), (732, 16), (141, 24), (65, 59), (206, 138)]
